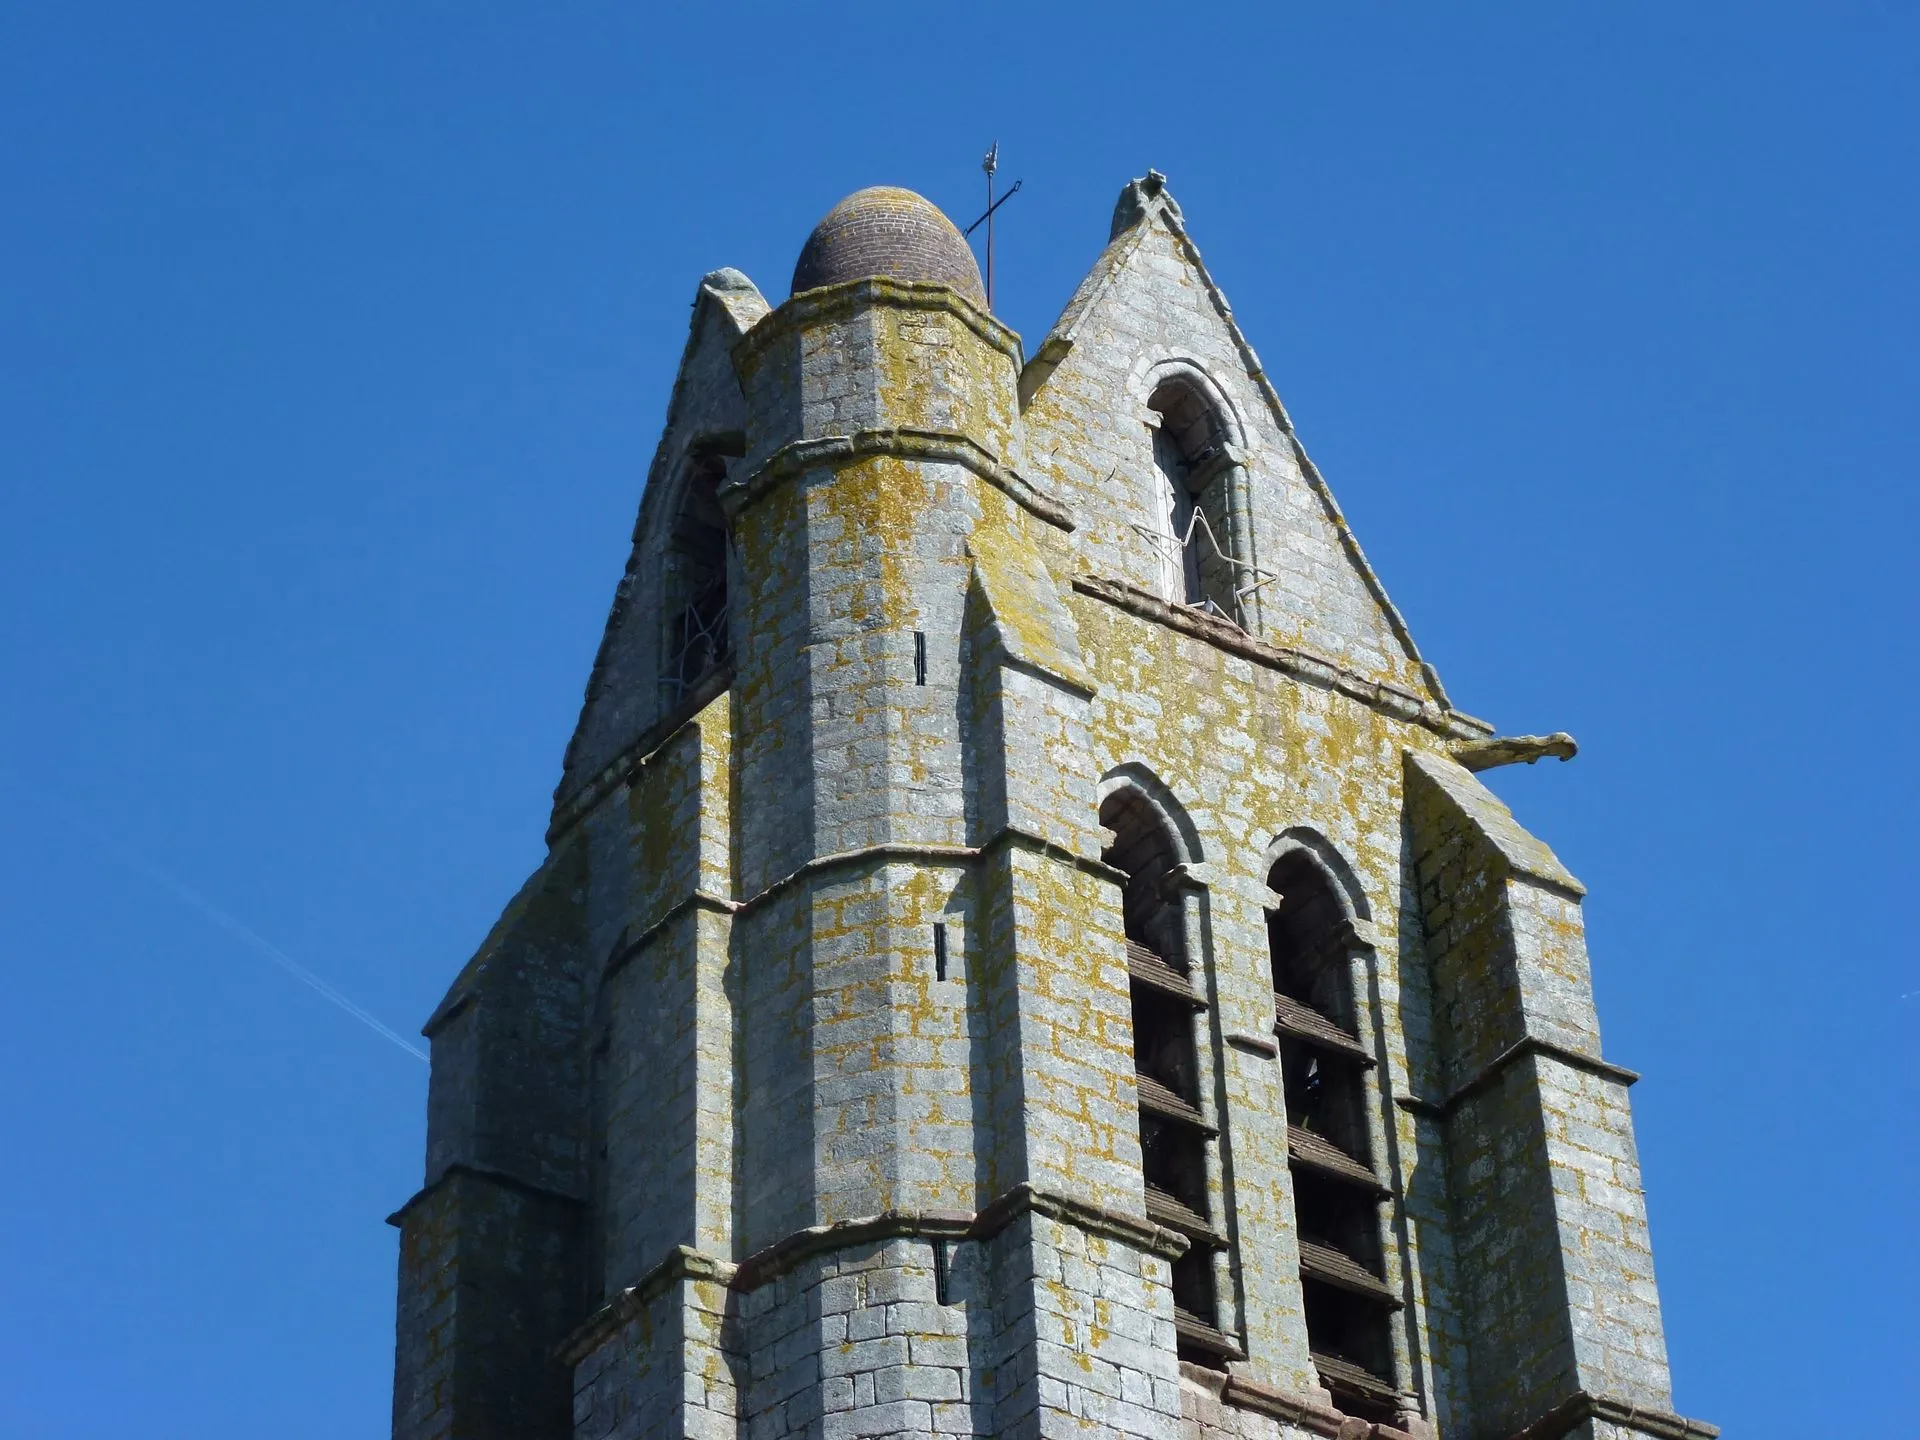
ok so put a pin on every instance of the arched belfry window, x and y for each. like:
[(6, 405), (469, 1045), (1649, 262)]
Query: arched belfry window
[(1337, 1189), (694, 591), (1195, 480), (1179, 1158)]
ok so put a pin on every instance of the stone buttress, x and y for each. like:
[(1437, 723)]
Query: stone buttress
[(1022, 950)]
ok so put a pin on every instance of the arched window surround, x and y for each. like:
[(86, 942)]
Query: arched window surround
[(1324, 951), (1199, 516), (696, 583), (1176, 1052)]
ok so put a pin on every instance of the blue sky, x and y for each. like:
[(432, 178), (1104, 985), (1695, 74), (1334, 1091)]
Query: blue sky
[(334, 342)]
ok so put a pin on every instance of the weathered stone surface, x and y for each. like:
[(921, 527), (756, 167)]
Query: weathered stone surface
[(805, 1090)]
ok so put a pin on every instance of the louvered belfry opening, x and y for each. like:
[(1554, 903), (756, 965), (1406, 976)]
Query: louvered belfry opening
[(695, 600), (1337, 1189), (1174, 1132)]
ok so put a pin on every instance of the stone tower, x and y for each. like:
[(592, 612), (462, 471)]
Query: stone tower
[(1022, 949)]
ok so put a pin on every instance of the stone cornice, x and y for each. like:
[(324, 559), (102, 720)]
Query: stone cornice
[(1314, 669), (682, 1263), (1282, 1405), (781, 1257), (950, 447), (504, 1178), (692, 900), (927, 853), (1581, 1407), (842, 301), (1490, 1073), (580, 801)]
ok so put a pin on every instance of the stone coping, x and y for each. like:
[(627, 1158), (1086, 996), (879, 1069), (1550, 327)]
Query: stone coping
[(1580, 1407), (576, 804), (827, 303), (886, 852), (398, 1218), (1491, 1072), (1304, 665), (950, 447), (785, 1255)]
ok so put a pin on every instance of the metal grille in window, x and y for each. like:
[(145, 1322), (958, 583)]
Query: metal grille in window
[(699, 638)]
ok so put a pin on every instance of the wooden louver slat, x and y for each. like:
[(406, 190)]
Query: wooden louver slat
[(1148, 969), (1338, 1374), (1320, 1262), (1198, 1333), (1159, 1100), (1318, 1153), (1176, 1214), (1303, 1022)]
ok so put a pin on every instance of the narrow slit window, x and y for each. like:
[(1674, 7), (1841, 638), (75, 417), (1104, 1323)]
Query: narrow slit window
[(939, 951), (942, 1277), (919, 657)]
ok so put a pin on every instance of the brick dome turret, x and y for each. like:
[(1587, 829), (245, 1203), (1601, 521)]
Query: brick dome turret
[(886, 231)]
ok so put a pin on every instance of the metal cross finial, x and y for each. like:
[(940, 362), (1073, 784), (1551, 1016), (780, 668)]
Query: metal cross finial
[(990, 163)]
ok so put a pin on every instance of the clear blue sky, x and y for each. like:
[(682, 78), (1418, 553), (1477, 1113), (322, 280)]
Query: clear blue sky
[(334, 343)]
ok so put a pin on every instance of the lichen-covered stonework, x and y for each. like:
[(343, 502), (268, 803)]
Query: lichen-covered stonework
[(796, 1094)]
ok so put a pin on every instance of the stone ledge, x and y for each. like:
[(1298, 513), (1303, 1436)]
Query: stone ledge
[(784, 1255), (1134, 1230), (569, 810), (1581, 1407), (840, 302), (681, 1263), (693, 900), (1282, 1405), (949, 447), (1301, 664), (1011, 836), (504, 1178), (1494, 1068)]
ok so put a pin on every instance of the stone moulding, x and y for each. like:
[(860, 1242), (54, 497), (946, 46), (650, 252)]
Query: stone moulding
[(1490, 1073), (480, 1172), (839, 302), (784, 1255), (883, 853), (1580, 1407), (569, 811), (1301, 664), (693, 900), (905, 442), (682, 1263), (1283, 1406)]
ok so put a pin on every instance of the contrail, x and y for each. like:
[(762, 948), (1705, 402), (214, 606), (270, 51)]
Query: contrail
[(241, 932), (274, 953)]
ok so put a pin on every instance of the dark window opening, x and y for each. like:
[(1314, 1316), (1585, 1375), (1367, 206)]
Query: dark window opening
[(1336, 1192), (1188, 453), (1174, 1134), (919, 657), (939, 951), (1349, 1348), (695, 602)]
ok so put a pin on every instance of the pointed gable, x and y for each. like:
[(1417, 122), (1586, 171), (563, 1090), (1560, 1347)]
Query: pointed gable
[(706, 416), (1149, 323)]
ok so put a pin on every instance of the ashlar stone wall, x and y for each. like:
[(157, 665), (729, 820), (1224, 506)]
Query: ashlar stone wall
[(797, 1094)]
